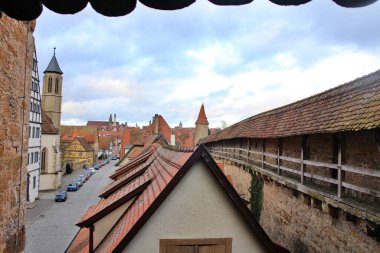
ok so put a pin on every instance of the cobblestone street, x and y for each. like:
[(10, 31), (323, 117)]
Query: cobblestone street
[(50, 225)]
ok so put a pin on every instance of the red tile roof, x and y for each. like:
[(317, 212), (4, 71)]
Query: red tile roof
[(184, 136), (47, 125), (352, 106), (69, 133), (84, 143), (169, 166), (135, 152), (202, 119), (80, 243), (119, 197)]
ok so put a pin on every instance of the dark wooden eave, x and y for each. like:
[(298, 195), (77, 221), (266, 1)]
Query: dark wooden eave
[(27, 10)]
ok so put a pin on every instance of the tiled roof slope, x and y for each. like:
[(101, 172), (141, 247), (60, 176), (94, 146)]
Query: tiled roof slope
[(80, 244), (84, 143), (202, 119), (69, 133), (169, 166), (47, 125), (27, 10), (53, 66), (349, 107)]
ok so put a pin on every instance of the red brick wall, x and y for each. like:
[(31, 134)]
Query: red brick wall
[(16, 48)]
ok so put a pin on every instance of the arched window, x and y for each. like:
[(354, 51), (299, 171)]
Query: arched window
[(43, 160), (56, 85), (50, 84)]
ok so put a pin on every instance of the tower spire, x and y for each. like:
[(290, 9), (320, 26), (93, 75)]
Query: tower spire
[(202, 119)]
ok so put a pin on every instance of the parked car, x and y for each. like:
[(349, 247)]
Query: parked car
[(114, 158), (92, 170), (82, 177), (102, 163), (61, 196), (79, 182), (96, 166), (72, 187)]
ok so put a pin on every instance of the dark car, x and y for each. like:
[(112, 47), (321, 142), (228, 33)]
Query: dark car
[(72, 187), (102, 163), (114, 158), (61, 196), (96, 166)]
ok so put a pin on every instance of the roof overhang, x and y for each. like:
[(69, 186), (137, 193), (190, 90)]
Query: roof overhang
[(27, 10)]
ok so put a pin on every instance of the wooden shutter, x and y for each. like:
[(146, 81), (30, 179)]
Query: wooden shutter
[(213, 245)]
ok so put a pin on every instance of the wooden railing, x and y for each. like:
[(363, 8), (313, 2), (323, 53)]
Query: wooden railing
[(244, 157)]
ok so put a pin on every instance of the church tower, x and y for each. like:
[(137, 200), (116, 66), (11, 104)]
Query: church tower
[(201, 126), (52, 91)]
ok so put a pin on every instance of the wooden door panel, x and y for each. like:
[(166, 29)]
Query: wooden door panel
[(180, 249), (212, 249)]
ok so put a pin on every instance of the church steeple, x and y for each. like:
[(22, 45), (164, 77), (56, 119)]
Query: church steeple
[(202, 119), (53, 66), (52, 91)]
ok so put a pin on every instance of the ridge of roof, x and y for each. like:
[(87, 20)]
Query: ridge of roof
[(53, 66), (202, 119), (343, 108), (84, 143), (169, 167)]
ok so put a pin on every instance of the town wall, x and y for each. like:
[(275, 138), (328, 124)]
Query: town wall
[(16, 54), (305, 222)]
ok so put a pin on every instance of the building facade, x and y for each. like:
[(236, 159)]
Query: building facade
[(16, 55), (79, 152), (51, 165), (34, 131)]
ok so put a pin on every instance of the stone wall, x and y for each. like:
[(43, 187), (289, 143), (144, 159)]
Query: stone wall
[(303, 225), (16, 54)]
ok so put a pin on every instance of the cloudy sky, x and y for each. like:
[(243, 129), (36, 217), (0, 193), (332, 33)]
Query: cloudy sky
[(239, 61)]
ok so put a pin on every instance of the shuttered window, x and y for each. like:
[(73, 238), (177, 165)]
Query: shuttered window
[(219, 245)]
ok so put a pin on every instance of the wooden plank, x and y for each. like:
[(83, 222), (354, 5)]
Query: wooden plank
[(262, 153), (302, 159), (321, 178), (271, 155), (212, 249), (320, 164), (290, 159), (361, 189), (361, 171), (340, 167), (279, 153), (290, 170)]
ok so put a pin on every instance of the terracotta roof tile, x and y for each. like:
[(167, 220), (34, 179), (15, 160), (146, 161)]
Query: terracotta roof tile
[(80, 243), (113, 201), (69, 133), (47, 125), (202, 119), (84, 143), (350, 107)]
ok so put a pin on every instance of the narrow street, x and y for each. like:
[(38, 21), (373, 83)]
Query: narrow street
[(50, 225)]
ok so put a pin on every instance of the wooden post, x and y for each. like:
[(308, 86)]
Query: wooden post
[(241, 146), (340, 166), (262, 153), (303, 149), (248, 149), (279, 153)]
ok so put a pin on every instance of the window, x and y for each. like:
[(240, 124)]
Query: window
[(220, 245), (35, 157), (43, 160), (37, 132), (56, 85), (29, 131), (31, 158), (34, 130), (50, 84), (34, 182), (28, 160)]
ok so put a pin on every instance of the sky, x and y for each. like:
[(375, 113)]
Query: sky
[(238, 61)]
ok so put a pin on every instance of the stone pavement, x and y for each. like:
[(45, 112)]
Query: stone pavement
[(50, 225)]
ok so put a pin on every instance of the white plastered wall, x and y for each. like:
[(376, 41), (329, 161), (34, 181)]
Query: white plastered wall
[(52, 179), (197, 208)]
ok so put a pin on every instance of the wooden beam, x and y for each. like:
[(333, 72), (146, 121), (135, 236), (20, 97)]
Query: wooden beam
[(340, 166), (262, 153), (279, 153), (303, 150)]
